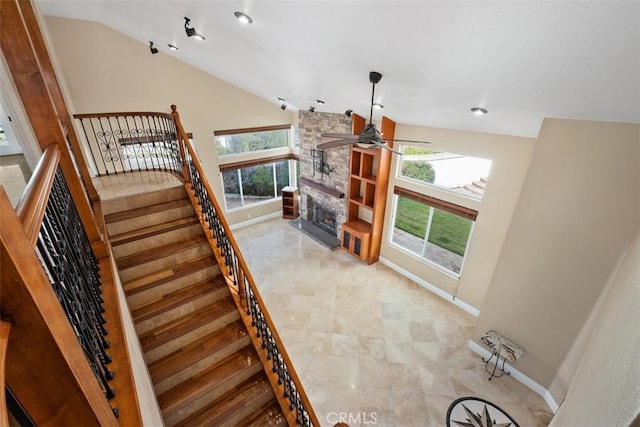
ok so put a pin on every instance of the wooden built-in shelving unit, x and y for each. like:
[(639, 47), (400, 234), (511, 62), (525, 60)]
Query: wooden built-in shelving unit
[(290, 203), (361, 234)]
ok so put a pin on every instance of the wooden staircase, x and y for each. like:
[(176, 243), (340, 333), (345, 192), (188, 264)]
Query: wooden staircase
[(203, 365)]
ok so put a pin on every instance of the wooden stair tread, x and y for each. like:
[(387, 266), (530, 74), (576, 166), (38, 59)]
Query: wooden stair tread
[(158, 252), (190, 354), (152, 230), (170, 330), (176, 298), (151, 209), (163, 276), (231, 402), (268, 415), (175, 398)]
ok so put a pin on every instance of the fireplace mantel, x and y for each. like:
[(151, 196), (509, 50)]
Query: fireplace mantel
[(318, 186)]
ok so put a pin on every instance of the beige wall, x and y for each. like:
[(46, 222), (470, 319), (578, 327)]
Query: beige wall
[(576, 215), (510, 157), (107, 71), (606, 389)]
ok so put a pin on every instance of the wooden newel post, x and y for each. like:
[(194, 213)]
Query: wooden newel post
[(182, 140)]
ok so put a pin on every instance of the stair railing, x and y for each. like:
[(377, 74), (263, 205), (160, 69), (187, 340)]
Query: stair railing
[(127, 142), (271, 350), (51, 294)]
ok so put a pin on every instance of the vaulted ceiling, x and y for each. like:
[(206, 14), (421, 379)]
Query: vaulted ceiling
[(520, 60)]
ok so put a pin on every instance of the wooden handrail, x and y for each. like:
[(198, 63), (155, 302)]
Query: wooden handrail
[(243, 266), (32, 205), (5, 327), (126, 113)]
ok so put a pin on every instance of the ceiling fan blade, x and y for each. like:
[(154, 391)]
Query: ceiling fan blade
[(336, 143), (406, 140), (339, 135), (385, 146)]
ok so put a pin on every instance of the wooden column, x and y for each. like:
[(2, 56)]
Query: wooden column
[(388, 130), (18, 31)]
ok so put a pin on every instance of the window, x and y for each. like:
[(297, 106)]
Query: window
[(261, 175), (433, 229), (247, 183), (250, 140), (456, 172)]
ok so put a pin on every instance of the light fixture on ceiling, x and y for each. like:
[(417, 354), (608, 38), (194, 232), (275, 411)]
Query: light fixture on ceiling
[(153, 49), (312, 109), (348, 112), (378, 106), (172, 47), (191, 32), (283, 107), (479, 111), (320, 101), (243, 18), (281, 99)]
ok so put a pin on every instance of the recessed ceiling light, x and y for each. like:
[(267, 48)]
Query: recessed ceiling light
[(378, 106), (479, 111), (172, 47), (281, 99), (243, 18), (320, 101)]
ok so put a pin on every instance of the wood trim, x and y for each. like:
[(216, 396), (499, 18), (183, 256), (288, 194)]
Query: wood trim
[(256, 162), (449, 207), (320, 187), (250, 130), (5, 328)]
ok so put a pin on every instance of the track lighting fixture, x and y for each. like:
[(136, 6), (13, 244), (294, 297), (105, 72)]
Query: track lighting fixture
[(153, 49), (312, 109), (191, 32), (283, 107), (348, 112)]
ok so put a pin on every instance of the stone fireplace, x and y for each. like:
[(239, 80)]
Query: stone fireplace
[(324, 177)]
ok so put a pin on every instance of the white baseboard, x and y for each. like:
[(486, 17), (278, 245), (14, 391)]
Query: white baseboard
[(546, 395), (256, 220), (455, 301)]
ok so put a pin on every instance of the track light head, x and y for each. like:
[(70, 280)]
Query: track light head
[(312, 109), (348, 112), (153, 49), (283, 107), (191, 32)]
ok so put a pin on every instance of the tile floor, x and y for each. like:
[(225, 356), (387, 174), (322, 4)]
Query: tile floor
[(365, 341)]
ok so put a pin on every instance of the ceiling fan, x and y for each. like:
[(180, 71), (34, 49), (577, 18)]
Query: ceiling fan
[(370, 137)]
